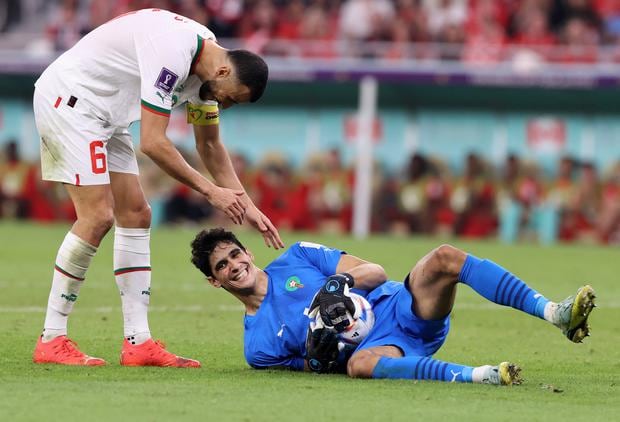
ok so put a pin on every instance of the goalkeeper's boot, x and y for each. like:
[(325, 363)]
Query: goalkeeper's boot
[(571, 315), (505, 373), (63, 351), (153, 353)]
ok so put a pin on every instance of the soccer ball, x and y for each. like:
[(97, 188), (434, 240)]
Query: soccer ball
[(363, 321)]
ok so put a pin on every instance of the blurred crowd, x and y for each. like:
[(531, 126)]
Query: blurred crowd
[(514, 201), (478, 31)]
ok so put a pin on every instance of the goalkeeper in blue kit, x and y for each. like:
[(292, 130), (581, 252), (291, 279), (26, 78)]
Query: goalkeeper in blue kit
[(412, 319)]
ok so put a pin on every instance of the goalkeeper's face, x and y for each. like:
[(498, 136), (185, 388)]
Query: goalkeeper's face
[(232, 268)]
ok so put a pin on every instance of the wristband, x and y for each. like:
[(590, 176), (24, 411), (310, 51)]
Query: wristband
[(203, 114), (348, 279)]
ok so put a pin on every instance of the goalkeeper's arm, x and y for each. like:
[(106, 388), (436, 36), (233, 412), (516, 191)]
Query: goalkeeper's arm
[(366, 275)]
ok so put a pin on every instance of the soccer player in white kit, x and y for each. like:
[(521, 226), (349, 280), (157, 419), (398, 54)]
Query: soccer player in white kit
[(138, 66)]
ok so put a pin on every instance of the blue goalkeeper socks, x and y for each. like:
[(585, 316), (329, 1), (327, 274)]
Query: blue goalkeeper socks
[(500, 286), (421, 368)]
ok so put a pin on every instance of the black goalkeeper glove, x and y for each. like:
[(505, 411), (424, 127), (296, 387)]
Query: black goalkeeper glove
[(334, 302), (322, 349)]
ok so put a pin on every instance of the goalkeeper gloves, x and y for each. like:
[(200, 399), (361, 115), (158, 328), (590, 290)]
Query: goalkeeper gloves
[(334, 303), (321, 346)]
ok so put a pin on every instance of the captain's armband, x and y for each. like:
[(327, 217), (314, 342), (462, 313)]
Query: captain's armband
[(203, 114)]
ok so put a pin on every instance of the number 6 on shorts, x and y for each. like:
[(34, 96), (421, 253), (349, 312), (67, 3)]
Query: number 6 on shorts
[(97, 159)]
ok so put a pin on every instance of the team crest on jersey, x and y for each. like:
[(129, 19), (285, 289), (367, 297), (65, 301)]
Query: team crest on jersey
[(293, 283), (166, 80)]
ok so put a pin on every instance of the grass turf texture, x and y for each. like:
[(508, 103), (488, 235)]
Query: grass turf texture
[(202, 322)]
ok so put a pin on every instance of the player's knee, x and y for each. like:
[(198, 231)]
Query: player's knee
[(142, 215), (139, 215), (446, 259), (100, 223), (362, 364)]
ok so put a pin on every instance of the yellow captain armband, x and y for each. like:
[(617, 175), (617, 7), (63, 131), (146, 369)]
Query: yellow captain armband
[(203, 114)]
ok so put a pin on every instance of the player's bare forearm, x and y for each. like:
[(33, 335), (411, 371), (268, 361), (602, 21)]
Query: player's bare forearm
[(215, 157), (367, 275), (156, 145)]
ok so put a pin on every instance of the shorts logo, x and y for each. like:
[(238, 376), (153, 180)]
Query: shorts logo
[(293, 283), (166, 80)]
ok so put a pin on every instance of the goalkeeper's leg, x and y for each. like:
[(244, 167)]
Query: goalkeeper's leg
[(388, 362), (434, 278)]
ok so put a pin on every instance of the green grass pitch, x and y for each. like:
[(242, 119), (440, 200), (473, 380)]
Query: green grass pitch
[(564, 381)]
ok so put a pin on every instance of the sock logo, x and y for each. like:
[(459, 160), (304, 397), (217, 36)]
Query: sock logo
[(454, 375), (147, 292), (72, 297)]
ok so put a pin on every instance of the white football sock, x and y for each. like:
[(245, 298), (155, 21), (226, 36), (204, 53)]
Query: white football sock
[(132, 270), (550, 313), (73, 259), (479, 373)]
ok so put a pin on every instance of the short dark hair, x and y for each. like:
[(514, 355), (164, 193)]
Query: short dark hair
[(204, 244), (252, 71)]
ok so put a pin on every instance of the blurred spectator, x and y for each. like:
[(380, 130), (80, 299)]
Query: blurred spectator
[(67, 25), (275, 190), (10, 14), (609, 220), (100, 11), (586, 203), (180, 204), (609, 13), (24, 195), (194, 9), (486, 46), (289, 21), (412, 196), (562, 11), (13, 177), (580, 42), (530, 25), (473, 200), (366, 20), (400, 46), (336, 193), (184, 205), (444, 14), (317, 25), (225, 16), (258, 26)]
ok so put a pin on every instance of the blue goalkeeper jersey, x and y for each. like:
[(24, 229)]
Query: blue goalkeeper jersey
[(276, 334)]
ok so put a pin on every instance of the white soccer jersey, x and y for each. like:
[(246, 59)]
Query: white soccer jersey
[(143, 58)]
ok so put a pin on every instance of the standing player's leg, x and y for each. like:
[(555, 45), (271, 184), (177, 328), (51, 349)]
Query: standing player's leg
[(432, 284), (132, 270), (73, 152), (93, 205)]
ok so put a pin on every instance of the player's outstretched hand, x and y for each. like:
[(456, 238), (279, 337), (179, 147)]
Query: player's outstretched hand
[(321, 348), (334, 303), (230, 201), (265, 227)]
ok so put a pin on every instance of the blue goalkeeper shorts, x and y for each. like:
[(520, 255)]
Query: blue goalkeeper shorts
[(396, 323)]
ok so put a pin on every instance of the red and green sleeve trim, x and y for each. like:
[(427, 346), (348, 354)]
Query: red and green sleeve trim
[(126, 270), (154, 109), (199, 47), (66, 274)]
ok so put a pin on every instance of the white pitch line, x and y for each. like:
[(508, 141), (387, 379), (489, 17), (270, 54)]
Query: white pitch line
[(239, 308), (110, 309)]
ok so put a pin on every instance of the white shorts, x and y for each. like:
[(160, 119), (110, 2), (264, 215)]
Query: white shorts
[(77, 147)]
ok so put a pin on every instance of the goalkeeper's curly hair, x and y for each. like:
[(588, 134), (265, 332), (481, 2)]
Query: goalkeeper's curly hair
[(205, 242)]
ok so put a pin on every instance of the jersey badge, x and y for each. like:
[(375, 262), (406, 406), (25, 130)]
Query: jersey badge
[(166, 80), (293, 283)]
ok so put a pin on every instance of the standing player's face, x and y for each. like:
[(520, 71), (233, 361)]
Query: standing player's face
[(226, 91), (232, 268)]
